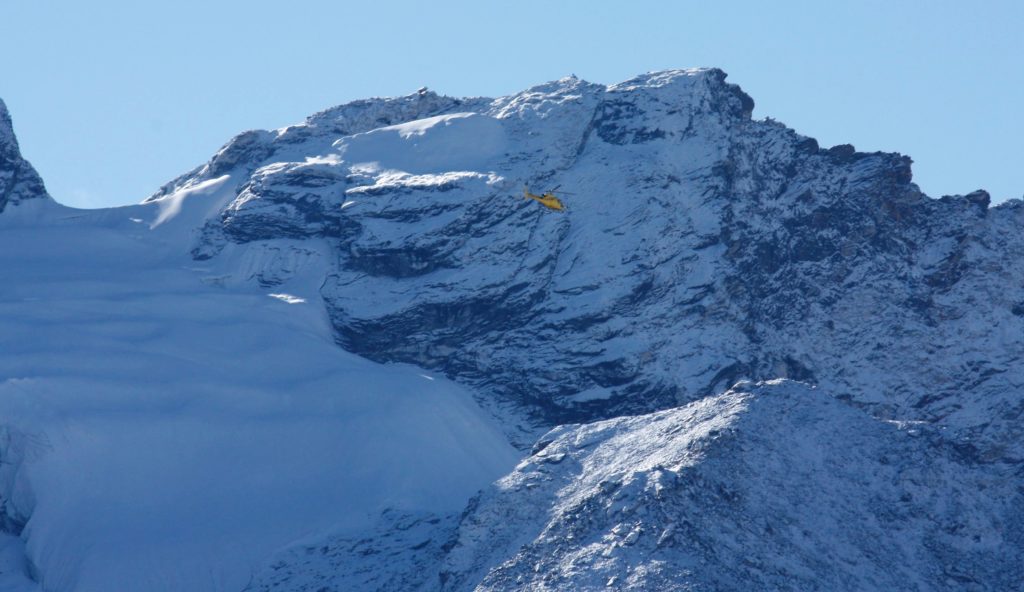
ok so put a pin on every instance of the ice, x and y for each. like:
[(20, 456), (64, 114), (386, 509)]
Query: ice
[(175, 434)]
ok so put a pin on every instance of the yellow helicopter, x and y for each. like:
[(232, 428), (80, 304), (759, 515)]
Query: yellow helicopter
[(547, 199)]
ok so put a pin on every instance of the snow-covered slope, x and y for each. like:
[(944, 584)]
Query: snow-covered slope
[(167, 427), (700, 247), (773, 486)]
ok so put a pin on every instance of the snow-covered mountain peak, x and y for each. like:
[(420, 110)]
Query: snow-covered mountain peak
[(691, 86), (556, 91), (249, 150), (366, 114), (568, 105), (768, 365), (18, 180), (701, 246), (658, 78)]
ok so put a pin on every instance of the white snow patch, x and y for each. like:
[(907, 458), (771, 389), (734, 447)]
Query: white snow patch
[(331, 159), (593, 394), (455, 142), (288, 298), (170, 206)]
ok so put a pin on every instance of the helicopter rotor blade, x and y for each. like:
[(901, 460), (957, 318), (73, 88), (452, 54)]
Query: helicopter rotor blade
[(555, 189)]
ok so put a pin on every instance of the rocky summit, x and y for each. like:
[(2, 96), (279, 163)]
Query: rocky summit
[(701, 247), (18, 180), (738, 360)]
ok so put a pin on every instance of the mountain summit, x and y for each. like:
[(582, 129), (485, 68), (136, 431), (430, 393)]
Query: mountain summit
[(18, 180), (701, 247), (738, 360)]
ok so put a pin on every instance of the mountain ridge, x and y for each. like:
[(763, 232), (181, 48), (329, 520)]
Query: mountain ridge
[(738, 360), (772, 215)]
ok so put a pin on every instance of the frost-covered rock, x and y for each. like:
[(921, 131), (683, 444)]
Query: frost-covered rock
[(401, 552), (18, 180), (773, 486), (700, 247)]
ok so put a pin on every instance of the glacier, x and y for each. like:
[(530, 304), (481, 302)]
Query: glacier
[(166, 429), (347, 355)]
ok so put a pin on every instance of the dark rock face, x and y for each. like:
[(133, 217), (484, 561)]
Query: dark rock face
[(18, 180), (701, 247)]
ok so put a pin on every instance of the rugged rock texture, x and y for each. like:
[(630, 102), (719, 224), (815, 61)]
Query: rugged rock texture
[(773, 486), (798, 371), (18, 180), (701, 247), (402, 553)]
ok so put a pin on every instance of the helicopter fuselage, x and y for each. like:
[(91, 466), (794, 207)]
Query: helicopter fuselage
[(547, 200)]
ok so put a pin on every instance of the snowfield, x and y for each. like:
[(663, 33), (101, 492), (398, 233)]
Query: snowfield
[(165, 432), (456, 142), (348, 355)]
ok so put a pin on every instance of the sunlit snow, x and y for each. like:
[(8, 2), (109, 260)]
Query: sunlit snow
[(169, 433), (288, 298), (170, 206)]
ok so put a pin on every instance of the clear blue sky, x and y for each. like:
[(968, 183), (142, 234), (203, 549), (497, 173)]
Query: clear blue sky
[(111, 99)]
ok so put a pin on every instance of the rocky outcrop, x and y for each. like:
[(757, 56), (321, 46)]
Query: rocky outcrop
[(773, 365), (773, 486), (700, 247), (18, 180)]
